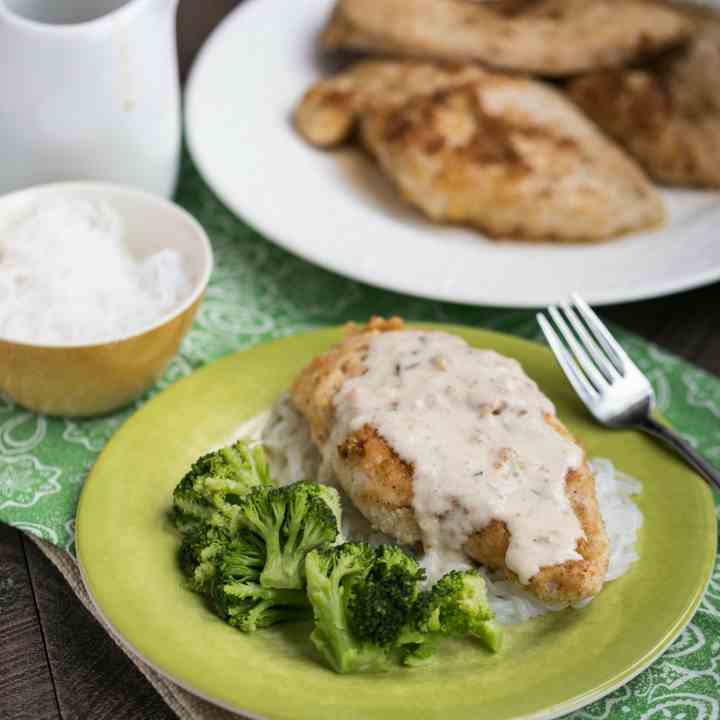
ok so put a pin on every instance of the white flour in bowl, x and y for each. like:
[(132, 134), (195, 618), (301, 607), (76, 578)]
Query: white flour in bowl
[(68, 277)]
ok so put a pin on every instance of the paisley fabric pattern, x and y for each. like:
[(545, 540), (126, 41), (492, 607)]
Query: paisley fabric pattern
[(259, 292)]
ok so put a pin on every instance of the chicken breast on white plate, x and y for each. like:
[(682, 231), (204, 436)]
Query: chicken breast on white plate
[(510, 156), (328, 112), (453, 447), (544, 37), (666, 113)]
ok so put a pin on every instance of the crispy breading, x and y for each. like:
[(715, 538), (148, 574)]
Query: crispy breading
[(329, 110), (507, 155), (314, 390), (667, 114), (379, 482), (545, 37), (512, 157)]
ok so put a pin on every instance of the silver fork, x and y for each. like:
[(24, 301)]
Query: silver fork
[(608, 382)]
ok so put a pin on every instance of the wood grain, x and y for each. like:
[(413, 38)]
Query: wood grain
[(26, 687), (687, 324), (93, 677)]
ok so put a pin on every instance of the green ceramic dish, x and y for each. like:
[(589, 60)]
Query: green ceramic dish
[(549, 666)]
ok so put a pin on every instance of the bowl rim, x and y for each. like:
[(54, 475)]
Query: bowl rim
[(160, 203)]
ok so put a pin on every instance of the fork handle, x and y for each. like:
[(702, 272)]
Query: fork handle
[(683, 447)]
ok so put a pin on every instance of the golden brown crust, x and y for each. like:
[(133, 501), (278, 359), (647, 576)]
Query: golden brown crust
[(573, 580), (329, 109), (389, 477), (667, 113), (513, 158), (380, 482), (510, 156), (314, 389), (545, 37)]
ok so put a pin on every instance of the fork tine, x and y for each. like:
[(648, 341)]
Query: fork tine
[(582, 387), (581, 357), (590, 344), (617, 355)]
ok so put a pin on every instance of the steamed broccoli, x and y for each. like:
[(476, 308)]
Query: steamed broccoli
[(248, 606), (331, 574), (370, 610), (379, 606), (244, 557), (217, 480), (244, 541), (456, 606), (290, 521), (362, 598), (206, 550), (250, 549), (226, 568), (200, 552)]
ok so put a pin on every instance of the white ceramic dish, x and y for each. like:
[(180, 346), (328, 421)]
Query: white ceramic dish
[(90, 92), (335, 209)]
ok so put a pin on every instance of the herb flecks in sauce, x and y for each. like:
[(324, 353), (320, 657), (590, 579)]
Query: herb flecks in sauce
[(472, 425)]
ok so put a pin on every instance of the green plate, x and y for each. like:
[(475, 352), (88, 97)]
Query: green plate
[(549, 666)]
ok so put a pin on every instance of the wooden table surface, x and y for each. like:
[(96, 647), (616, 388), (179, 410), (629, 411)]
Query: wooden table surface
[(56, 661)]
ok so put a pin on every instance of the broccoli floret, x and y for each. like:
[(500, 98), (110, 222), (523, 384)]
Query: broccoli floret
[(456, 606), (248, 606), (379, 607), (244, 557), (291, 521), (370, 610), (216, 480), (331, 498), (200, 552), (332, 574), (226, 570), (207, 550)]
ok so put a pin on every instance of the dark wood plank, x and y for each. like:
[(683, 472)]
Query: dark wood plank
[(26, 688), (93, 677), (687, 324), (195, 20)]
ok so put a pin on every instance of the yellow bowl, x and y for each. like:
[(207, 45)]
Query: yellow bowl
[(95, 378)]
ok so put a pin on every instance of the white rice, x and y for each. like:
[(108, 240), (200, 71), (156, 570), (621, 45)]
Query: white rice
[(293, 457)]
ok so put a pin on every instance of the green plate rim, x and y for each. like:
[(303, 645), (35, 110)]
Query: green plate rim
[(549, 713)]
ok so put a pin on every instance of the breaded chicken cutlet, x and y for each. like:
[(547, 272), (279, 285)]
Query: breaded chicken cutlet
[(542, 37), (330, 109), (380, 482), (667, 112), (507, 155)]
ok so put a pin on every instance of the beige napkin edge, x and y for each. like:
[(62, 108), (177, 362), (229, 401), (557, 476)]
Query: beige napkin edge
[(183, 703)]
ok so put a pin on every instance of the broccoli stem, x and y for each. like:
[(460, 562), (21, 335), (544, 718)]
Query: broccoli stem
[(490, 632), (336, 646), (342, 652), (266, 613), (275, 573), (290, 566)]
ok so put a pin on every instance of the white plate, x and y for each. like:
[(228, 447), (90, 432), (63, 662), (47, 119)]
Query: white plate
[(335, 209)]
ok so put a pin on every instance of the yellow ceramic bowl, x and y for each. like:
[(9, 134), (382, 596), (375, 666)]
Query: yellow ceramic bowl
[(90, 379)]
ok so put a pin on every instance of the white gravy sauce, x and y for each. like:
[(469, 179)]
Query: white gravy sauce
[(470, 422)]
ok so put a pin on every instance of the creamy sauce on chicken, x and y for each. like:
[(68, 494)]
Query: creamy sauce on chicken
[(471, 424)]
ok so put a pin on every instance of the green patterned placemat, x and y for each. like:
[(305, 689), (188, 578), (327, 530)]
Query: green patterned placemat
[(258, 292)]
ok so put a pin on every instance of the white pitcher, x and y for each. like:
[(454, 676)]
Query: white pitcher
[(89, 90)]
